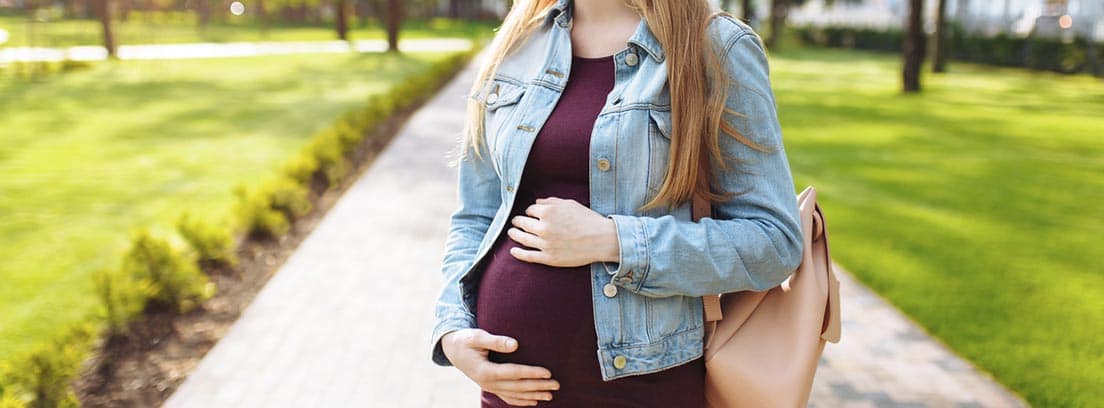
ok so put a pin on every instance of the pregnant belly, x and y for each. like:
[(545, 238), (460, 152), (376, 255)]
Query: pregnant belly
[(547, 309)]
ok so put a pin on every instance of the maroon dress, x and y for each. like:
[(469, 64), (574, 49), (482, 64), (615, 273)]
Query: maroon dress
[(548, 309)]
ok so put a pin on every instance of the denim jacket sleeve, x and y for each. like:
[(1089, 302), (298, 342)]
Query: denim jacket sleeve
[(478, 199), (753, 241)]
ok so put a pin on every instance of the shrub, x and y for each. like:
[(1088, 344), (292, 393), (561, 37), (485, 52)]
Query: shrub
[(10, 401), (358, 120), (1076, 56), (8, 397), (288, 197), (376, 110), (42, 379), (122, 298), (174, 279), (380, 107), (212, 244), (258, 217), (301, 168), (349, 135), (326, 147)]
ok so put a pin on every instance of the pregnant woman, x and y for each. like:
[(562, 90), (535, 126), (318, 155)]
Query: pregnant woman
[(573, 272)]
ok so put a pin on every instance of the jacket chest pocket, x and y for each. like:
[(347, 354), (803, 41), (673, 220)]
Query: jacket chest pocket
[(501, 110), (659, 148)]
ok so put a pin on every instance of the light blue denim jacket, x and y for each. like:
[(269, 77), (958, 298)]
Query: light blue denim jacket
[(651, 317)]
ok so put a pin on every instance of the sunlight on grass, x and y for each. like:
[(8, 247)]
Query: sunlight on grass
[(974, 207), (86, 157)]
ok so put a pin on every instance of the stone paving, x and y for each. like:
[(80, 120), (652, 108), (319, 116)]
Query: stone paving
[(224, 50), (346, 321)]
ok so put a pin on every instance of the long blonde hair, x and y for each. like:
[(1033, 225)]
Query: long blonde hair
[(681, 26)]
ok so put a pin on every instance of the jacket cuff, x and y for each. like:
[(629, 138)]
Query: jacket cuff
[(632, 265), (444, 326)]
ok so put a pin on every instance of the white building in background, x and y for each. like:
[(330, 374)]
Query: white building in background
[(1083, 18)]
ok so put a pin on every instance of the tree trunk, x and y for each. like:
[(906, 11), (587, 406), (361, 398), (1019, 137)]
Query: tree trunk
[(124, 10), (342, 20), (102, 10), (365, 10), (779, 10), (939, 58), (203, 11), (914, 46), (262, 17), (747, 11), (394, 20)]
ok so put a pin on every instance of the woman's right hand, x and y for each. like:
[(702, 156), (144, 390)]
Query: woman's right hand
[(516, 384)]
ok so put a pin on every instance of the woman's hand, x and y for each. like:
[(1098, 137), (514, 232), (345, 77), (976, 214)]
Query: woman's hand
[(516, 384), (564, 233)]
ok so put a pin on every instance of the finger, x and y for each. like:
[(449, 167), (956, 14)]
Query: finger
[(512, 371), (526, 385), (548, 199), (518, 402), (525, 238), (529, 396), (501, 344), (529, 224), (530, 255), (536, 210)]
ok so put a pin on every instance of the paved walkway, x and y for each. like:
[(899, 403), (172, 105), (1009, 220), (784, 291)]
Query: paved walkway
[(224, 50), (347, 320)]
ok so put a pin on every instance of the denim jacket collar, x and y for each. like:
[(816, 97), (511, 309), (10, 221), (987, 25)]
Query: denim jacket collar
[(560, 13)]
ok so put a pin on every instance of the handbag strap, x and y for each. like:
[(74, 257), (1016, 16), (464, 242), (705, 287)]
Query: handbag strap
[(700, 207)]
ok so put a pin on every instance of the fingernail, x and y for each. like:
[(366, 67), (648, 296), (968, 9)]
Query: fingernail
[(511, 343)]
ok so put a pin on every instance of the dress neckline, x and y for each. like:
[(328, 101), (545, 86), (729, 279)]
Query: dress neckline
[(592, 59)]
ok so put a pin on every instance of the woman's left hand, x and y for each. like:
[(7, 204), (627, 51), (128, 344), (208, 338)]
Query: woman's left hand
[(563, 233)]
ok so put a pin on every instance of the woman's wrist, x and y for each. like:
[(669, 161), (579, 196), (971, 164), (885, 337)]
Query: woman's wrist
[(610, 248)]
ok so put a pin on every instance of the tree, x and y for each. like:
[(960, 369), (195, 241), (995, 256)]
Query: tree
[(778, 11), (747, 10), (939, 59), (341, 19), (913, 46), (203, 10), (394, 20), (103, 12)]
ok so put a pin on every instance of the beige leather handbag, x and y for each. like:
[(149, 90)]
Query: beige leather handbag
[(765, 349)]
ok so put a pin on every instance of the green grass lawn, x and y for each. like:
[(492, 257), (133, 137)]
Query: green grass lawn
[(157, 28), (975, 207), (86, 157)]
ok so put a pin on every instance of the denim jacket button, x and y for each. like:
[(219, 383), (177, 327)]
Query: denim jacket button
[(632, 59), (619, 362), (510, 188), (603, 164), (610, 290), (492, 98)]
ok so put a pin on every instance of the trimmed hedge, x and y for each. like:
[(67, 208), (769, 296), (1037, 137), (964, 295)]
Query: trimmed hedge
[(1002, 50), (153, 271), (42, 377)]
